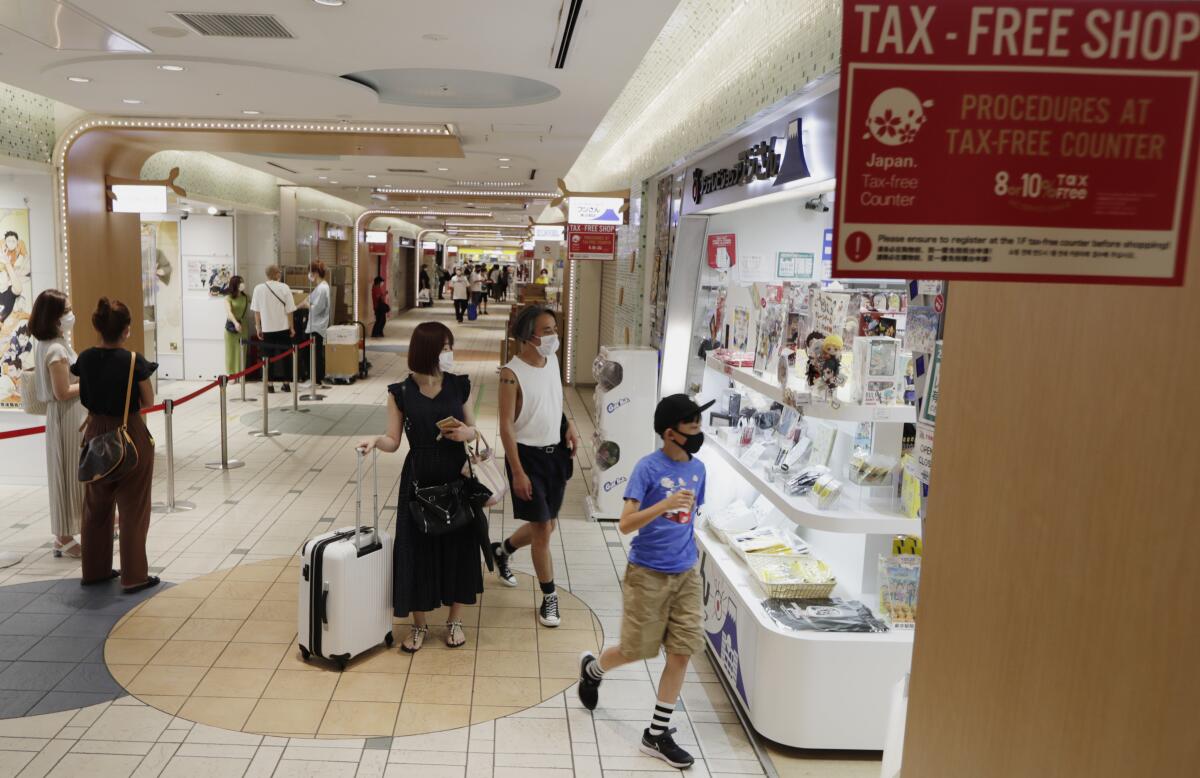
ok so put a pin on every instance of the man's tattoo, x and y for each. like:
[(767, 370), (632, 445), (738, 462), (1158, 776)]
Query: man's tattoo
[(507, 381)]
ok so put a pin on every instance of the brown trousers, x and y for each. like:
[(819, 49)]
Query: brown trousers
[(131, 494)]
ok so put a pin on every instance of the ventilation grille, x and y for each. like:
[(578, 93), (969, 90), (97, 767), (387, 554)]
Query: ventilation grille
[(405, 170), (234, 25)]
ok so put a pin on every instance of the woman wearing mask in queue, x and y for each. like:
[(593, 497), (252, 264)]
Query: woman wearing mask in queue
[(236, 303), (104, 372), (431, 571), (51, 323), (318, 314), (379, 301)]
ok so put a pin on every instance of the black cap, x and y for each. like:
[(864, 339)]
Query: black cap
[(675, 408)]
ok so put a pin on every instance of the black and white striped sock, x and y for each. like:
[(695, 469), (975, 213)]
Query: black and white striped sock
[(662, 717), (594, 671)]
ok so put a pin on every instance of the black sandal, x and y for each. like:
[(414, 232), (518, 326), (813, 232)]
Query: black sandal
[(149, 582), (98, 581)]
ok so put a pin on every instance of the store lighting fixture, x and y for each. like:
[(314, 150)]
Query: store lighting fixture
[(443, 169), (490, 183), (250, 112), (212, 210), (433, 214), (490, 226), (172, 68), (330, 3), (333, 182), (372, 175), (506, 159), (322, 178), (79, 79), (465, 193), (505, 167), (131, 101)]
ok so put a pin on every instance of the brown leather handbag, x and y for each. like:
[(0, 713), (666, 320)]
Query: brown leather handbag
[(112, 454)]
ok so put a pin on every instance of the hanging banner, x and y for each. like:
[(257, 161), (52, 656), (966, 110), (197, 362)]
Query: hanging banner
[(591, 241), (1033, 141)]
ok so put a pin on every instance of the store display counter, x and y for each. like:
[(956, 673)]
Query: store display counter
[(860, 519), (828, 690), (846, 412)]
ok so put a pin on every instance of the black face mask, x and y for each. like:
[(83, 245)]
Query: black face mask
[(691, 443)]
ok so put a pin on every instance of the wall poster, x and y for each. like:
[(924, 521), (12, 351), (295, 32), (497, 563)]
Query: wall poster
[(16, 302), (160, 244), (1051, 141), (670, 192)]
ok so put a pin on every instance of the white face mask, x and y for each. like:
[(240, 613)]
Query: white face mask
[(312, 277), (548, 346), (67, 322), (446, 361)]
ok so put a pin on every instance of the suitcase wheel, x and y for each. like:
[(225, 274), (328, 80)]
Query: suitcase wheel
[(305, 653), (341, 660), (389, 640)]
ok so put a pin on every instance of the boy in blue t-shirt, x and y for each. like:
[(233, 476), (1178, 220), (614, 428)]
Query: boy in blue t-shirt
[(662, 587)]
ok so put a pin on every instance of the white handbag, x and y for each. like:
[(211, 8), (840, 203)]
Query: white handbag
[(482, 464), (29, 394)]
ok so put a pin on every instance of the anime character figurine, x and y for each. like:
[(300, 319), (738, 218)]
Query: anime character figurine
[(812, 347), (830, 364)]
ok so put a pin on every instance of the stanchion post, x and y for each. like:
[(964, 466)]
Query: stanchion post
[(172, 505), (242, 380), (296, 382), (266, 431), (226, 463), (313, 394)]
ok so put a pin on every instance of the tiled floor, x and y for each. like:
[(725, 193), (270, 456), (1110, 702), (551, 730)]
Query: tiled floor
[(293, 487)]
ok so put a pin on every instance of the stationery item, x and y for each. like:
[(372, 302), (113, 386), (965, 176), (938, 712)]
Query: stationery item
[(823, 435), (899, 579), (823, 615), (797, 454), (868, 469), (825, 491)]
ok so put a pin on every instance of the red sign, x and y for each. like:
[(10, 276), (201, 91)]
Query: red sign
[(1031, 141), (722, 250), (592, 241)]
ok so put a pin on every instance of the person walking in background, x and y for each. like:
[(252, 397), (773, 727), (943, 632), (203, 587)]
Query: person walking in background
[(380, 304), (459, 286), (104, 373), (539, 443), (476, 281), (505, 282), (494, 276), (318, 305), (273, 307), (236, 303), (50, 324), (442, 277), (431, 570), (424, 279)]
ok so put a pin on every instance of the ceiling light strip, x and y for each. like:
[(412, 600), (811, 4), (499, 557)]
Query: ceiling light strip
[(467, 193)]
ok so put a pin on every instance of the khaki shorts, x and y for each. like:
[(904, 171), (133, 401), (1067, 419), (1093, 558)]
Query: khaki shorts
[(661, 610)]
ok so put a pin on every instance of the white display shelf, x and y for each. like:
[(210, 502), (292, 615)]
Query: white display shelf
[(846, 412), (799, 688), (799, 510)]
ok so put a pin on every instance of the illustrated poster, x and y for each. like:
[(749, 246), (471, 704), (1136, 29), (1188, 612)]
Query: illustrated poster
[(16, 302)]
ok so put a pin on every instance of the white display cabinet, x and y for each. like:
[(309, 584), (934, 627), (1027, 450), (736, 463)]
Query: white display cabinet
[(625, 396)]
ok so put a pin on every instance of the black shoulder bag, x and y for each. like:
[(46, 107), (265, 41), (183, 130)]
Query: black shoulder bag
[(112, 454), (438, 509)]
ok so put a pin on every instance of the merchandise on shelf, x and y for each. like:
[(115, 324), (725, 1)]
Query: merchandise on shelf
[(899, 577), (790, 577), (869, 469), (823, 615), (825, 492)]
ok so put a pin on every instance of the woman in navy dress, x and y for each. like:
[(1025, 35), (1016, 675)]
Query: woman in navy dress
[(431, 571)]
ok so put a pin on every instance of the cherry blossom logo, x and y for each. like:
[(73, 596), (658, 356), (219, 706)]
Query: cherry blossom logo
[(896, 116)]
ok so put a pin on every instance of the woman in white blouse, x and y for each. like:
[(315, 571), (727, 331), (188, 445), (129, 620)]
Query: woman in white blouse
[(51, 323)]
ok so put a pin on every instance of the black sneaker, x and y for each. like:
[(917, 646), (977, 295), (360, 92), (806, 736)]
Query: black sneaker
[(502, 569), (287, 387), (589, 690), (665, 748), (548, 613)]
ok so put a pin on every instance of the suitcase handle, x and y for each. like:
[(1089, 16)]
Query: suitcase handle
[(325, 605), (358, 546)]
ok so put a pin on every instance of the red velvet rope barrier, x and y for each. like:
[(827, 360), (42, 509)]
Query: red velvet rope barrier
[(196, 393), (22, 433)]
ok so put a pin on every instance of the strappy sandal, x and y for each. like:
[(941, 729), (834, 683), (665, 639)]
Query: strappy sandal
[(416, 639), (70, 549), (454, 634)]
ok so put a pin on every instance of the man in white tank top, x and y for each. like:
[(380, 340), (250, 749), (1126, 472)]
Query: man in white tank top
[(539, 443)]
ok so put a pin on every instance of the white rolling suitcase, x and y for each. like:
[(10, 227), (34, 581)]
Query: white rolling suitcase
[(346, 586)]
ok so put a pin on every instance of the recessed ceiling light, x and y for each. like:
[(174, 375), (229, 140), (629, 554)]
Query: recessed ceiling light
[(333, 182), (505, 167), (435, 36), (443, 169), (131, 101), (212, 210), (506, 159), (331, 3), (371, 175), (79, 79), (171, 68), (251, 113), (322, 178)]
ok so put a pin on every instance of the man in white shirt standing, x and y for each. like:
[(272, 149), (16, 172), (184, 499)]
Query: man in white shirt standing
[(458, 292), (273, 306)]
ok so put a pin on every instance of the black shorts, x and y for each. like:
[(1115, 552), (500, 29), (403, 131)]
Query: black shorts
[(549, 471)]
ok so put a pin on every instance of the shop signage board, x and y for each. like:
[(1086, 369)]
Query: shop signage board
[(547, 232), (591, 242), (1049, 141), (595, 210), (722, 250), (794, 264)]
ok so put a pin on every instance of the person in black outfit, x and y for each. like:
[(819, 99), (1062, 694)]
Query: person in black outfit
[(379, 301), (424, 280), (443, 570)]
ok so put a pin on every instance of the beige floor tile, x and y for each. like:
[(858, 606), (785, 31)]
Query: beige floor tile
[(169, 606), (119, 651), (461, 661), (266, 632), (274, 610), (553, 686), (166, 679), (516, 735), (222, 712), (301, 685), (204, 767), (521, 692), (380, 660), (523, 618), (370, 687), (95, 766), (233, 682), (557, 664), (510, 598), (242, 590), (360, 719), (501, 639), (188, 653), (165, 703), (255, 572), (194, 589), (286, 716), (283, 590), (481, 713), (214, 608), (560, 640), (441, 689), (208, 629), (418, 718), (153, 627), (123, 674), (509, 664), (252, 656)]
